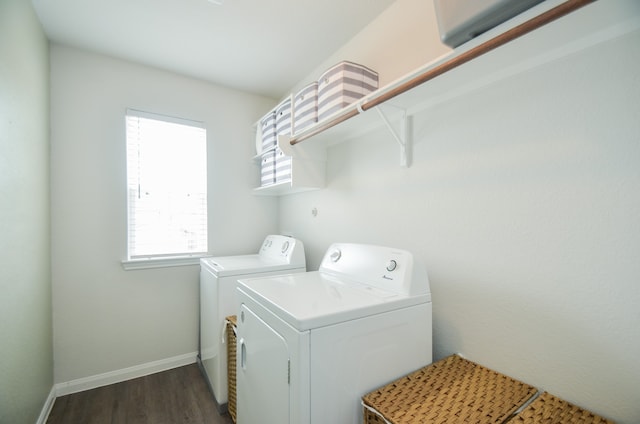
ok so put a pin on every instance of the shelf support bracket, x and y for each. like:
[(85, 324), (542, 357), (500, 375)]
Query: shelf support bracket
[(402, 137)]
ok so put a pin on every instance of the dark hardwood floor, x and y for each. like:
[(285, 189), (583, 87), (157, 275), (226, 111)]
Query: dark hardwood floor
[(177, 396)]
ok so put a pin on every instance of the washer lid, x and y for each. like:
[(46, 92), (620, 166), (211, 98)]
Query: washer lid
[(316, 299), (224, 266)]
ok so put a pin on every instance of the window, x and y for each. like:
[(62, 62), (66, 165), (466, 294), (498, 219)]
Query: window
[(166, 186)]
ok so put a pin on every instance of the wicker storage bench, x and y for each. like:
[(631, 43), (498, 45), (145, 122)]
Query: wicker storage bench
[(548, 409), (457, 391), (231, 324), (453, 390)]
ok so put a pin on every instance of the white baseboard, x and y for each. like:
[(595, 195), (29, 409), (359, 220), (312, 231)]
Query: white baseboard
[(111, 377), (48, 405)]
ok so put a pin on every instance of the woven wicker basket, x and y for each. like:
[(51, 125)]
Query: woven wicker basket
[(548, 409), (453, 390), (231, 323)]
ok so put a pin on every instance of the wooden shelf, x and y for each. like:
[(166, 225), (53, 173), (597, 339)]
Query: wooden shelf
[(552, 30), (279, 189), (549, 31), (308, 164)]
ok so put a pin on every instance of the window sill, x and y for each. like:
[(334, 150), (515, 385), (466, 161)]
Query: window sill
[(146, 263)]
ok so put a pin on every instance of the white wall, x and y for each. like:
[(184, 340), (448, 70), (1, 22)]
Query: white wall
[(26, 358), (524, 202), (400, 40), (107, 319)]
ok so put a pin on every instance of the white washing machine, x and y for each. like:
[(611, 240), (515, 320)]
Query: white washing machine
[(310, 345), (218, 299)]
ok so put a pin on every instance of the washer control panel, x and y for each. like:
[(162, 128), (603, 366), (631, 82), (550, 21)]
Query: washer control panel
[(389, 269), (392, 265), (282, 248)]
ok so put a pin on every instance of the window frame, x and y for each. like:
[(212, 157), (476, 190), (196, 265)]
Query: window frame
[(159, 260)]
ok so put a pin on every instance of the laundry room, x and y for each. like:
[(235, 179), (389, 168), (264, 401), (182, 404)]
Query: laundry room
[(512, 178)]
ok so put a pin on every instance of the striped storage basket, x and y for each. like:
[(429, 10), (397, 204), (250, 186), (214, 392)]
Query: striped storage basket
[(232, 325), (283, 117), (283, 127), (268, 168), (453, 390), (268, 128), (305, 107), (283, 167), (342, 85)]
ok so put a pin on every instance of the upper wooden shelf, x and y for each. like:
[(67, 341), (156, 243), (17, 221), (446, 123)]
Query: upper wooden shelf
[(546, 32)]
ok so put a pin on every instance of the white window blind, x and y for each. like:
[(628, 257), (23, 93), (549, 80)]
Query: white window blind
[(167, 186)]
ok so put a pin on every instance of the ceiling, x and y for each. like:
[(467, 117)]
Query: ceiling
[(259, 46)]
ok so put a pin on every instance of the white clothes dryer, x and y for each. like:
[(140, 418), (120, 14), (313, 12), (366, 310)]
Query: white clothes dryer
[(310, 345), (218, 299)]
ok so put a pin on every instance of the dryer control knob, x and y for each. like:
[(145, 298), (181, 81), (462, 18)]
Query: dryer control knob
[(392, 265), (335, 255), (285, 247)]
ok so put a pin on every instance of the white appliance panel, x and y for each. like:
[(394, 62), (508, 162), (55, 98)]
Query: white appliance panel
[(218, 299), (350, 359), (333, 299), (388, 269), (268, 352), (331, 367), (297, 347), (343, 338), (209, 342)]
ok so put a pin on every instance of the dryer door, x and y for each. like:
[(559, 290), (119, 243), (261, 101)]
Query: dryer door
[(262, 375)]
